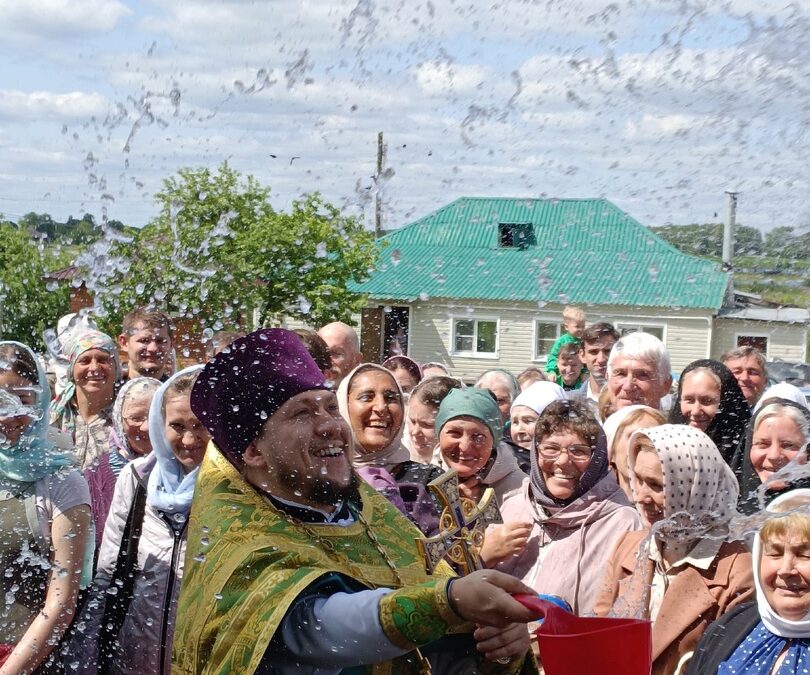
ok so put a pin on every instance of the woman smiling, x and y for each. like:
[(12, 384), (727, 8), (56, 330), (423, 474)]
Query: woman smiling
[(710, 399), (570, 511), (683, 575), (371, 401), (777, 435), (469, 428), (771, 635)]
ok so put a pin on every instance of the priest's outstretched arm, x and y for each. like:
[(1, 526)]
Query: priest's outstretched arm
[(328, 629)]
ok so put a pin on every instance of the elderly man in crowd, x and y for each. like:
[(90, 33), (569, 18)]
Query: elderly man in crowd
[(293, 564), (344, 348), (748, 365), (639, 371)]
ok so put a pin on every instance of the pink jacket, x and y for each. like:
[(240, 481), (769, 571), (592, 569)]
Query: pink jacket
[(567, 550)]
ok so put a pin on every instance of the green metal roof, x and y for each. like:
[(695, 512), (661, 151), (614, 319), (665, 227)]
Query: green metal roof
[(585, 251)]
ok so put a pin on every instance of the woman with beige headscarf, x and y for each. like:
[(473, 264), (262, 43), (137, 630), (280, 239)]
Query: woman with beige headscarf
[(682, 574)]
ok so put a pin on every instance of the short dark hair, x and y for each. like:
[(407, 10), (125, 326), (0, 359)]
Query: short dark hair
[(433, 390), (568, 415), (316, 346), (18, 361), (597, 331), (146, 317)]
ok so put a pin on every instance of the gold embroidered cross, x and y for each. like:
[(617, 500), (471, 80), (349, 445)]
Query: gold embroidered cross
[(461, 526)]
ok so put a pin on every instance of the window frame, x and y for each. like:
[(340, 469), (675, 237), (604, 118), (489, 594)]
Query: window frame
[(474, 353), (640, 325), (749, 334), (536, 358)]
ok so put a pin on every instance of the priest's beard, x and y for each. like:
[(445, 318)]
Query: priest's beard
[(319, 489)]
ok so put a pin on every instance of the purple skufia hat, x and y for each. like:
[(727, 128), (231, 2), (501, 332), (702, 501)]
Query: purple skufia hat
[(243, 385)]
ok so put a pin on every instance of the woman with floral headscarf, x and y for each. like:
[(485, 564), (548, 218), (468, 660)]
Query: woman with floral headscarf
[(683, 574), (84, 408), (44, 521)]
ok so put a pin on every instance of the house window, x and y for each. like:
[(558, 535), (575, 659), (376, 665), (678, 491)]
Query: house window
[(515, 235), (545, 335), (759, 342), (475, 336), (652, 329)]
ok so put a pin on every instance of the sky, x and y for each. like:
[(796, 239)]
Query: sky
[(659, 106)]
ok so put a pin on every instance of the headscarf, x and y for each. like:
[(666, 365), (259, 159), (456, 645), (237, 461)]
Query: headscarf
[(728, 426), (89, 339), (613, 422), (700, 490), (33, 456), (118, 434), (395, 452), (750, 482), (538, 396), (475, 403), (169, 489), (248, 381), (596, 470), (774, 634), (783, 390)]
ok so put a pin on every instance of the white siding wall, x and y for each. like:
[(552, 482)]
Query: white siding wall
[(785, 341), (687, 334)]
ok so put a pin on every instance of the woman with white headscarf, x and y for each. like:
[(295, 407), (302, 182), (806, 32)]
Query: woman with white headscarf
[(372, 402), (143, 548), (683, 574), (526, 408), (771, 634)]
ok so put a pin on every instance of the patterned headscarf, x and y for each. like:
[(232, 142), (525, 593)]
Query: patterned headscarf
[(700, 490), (61, 411)]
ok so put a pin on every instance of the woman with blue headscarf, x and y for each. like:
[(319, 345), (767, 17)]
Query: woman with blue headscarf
[(143, 548), (45, 521)]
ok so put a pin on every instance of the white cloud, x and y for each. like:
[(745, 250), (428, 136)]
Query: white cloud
[(443, 79), (49, 105), (60, 18)]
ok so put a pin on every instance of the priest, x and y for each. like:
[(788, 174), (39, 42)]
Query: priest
[(294, 565)]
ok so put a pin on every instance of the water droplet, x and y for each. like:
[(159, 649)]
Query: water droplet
[(396, 257), (424, 297), (179, 517), (200, 558), (205, 541)]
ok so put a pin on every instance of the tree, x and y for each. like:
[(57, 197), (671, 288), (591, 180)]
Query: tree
[(707, 239), (28, 304), (218, 251)]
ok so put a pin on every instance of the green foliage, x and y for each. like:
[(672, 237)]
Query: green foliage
[(218, 251), (72, 232), (706, 240), (28, 304)]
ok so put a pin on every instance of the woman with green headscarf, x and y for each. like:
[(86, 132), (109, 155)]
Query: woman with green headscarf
[(469, 426), (45, 523)]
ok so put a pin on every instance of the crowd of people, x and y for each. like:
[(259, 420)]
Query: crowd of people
[(260, 512)]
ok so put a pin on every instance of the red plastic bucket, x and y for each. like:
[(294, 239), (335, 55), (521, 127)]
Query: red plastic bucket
[(573, 645)]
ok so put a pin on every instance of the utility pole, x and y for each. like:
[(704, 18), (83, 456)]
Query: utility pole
[(728, 244), (378, 186)]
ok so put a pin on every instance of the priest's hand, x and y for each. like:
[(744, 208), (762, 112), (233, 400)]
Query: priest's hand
[(500, 644), (485, 598), (504, 541)]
